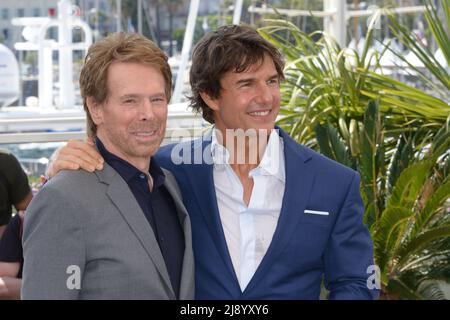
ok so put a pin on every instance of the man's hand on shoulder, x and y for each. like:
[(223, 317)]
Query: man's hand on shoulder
[(75, 155)]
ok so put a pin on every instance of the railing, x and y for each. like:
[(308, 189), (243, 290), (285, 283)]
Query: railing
[(172, 135), (33, 134), (24, 127), (39, 137)]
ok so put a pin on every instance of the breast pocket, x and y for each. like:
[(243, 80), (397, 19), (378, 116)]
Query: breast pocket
[(316, 216)]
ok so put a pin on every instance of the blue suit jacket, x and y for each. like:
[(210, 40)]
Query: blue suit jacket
[(304, 248)]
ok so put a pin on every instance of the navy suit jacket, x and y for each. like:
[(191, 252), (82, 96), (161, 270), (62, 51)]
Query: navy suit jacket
[(305, 248)]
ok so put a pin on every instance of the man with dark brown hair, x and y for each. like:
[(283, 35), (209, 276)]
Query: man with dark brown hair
[(270, 218)]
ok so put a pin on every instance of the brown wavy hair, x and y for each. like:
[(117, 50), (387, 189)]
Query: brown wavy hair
[(121, 47), (228, 48)]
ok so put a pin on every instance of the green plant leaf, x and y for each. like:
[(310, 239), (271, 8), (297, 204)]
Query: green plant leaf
[(421, 241), (331, 144), (435, 202), (388, 234), (409, 184)]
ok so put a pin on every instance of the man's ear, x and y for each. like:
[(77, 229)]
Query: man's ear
[(95, 110), (213, 103)]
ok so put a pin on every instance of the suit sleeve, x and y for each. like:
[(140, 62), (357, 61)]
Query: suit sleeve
[(350, 251), (54, 250)]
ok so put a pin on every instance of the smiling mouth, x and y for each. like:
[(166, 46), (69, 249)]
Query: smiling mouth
[(149, 133), (262, 113), (145, 134)]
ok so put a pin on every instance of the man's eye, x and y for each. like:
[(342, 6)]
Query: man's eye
[(130, 101), (157, 100), (273, 81), (245, 84)]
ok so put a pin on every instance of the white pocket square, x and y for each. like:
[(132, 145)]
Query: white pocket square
[(322, 213)]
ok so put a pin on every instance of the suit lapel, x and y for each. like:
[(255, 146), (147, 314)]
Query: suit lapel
[(299, 180), (202, 182), (169, 184), (186, 283), (120, 195)]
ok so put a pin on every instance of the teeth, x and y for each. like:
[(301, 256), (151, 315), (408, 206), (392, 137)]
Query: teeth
[(260, 113), (145, 134)]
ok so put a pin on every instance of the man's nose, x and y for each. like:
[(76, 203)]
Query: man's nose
[(265, 96), (146, 111)]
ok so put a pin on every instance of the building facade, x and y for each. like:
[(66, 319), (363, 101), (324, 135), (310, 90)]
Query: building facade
[(10, 9)]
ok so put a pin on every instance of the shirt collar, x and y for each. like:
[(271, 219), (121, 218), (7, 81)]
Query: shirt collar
[(126, 170), (272, 162), (220, 154)]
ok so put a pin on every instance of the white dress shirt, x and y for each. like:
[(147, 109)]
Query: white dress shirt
[(249, 230)]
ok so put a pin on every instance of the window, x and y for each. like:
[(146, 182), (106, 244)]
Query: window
[(5, 33), (36, 12), (21, 12), (5, 14)]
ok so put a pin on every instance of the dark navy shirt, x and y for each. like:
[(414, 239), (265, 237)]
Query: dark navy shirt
[(157, 206), (11, 243)]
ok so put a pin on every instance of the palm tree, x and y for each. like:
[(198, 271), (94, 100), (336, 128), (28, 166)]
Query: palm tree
[(325, 82), (395, 135), (405, 193)]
